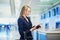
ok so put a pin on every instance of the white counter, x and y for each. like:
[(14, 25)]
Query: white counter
[(49, 31)]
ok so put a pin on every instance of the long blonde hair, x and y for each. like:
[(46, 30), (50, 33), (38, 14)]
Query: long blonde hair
[(25, 7)]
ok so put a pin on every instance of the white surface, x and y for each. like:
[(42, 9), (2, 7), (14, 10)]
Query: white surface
[(49, 31)]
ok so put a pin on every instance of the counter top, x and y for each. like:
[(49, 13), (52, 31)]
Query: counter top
[(49, 31)]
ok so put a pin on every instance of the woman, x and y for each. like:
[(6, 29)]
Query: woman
[(24, 24)]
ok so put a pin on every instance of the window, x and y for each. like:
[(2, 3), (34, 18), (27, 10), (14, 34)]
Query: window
[(57, 10), (5, 8), (54, 10), (49, 13), (57, 24), (44, 16), (46, 26)]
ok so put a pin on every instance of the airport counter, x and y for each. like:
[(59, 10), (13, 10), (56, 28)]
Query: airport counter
[(46, 35)]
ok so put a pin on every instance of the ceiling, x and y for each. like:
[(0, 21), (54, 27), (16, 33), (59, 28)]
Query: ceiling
[(37, 6), (40, 6)]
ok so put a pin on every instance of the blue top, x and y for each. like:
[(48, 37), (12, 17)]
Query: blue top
[(24, 26)]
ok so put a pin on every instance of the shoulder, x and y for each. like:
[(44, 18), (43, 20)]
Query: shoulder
[(20, 19)]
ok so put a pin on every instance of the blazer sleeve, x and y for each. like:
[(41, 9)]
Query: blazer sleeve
[(21, 28)]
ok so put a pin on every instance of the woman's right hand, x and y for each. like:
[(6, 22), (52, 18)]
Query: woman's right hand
[(35, 27), (32, 29)]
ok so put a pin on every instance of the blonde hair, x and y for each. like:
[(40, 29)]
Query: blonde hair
[(25, 7)]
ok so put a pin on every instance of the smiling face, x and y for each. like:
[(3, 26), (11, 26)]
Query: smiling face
[(27, 11)]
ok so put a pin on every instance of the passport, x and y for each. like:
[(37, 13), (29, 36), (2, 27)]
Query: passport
[(38, 26)]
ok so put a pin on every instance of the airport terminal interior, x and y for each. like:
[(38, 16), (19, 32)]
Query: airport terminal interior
[(43, 12)]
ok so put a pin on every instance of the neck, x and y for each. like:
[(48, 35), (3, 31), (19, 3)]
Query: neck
[(24, 16)]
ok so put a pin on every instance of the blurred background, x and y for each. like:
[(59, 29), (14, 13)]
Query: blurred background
[(43, 12)]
